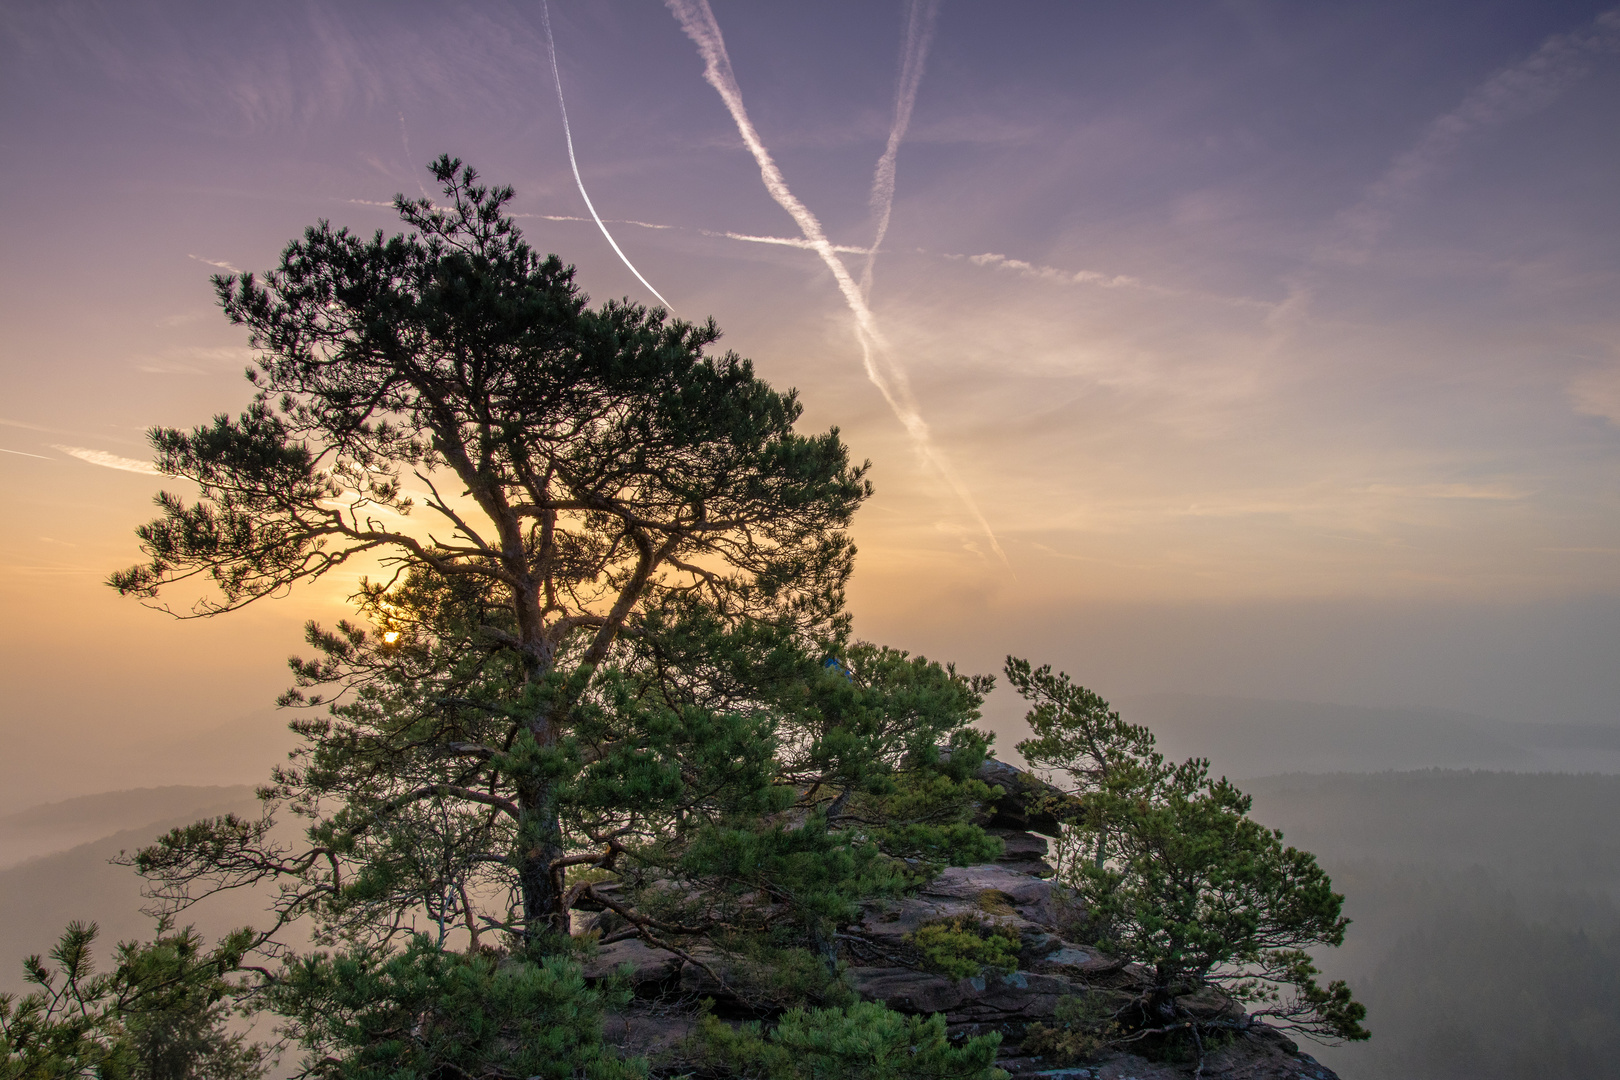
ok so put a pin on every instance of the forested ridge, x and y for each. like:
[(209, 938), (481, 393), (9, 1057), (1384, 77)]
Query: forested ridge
[(1487, 916)]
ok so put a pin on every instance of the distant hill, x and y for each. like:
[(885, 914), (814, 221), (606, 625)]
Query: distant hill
[(1485, 912), (39, 896), (235, 752), (1247, 738), (52, 827)]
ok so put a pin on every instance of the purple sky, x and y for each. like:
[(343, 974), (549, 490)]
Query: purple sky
[(1247, 348)]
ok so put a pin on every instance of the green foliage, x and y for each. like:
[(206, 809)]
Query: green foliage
[(1077, 732), (603, 470), (424, 1012), (963, 948), (955, 844), (64, 1029), (1182, 880), (175, 999), (1079, 735), (813, 874), (1204, 894), (159, 1014), (865, 1041), (599, 681)]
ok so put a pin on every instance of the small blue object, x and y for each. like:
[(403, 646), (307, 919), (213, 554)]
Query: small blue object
[(838, 665)]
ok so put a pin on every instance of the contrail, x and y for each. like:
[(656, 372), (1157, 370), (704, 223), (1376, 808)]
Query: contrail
[(698, 20), (785, 241), (410, 158), (568, 134), (919, 33)]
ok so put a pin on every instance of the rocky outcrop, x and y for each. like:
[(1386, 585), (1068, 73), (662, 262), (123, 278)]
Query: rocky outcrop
[(1016, 895)]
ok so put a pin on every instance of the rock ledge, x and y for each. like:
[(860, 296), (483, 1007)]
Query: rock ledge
[(1014, 891)]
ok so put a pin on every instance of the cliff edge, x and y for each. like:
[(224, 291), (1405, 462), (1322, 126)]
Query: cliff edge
[(1017, 897)]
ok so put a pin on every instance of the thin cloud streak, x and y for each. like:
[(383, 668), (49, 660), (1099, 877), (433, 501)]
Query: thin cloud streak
[(538, 217), (1098, 279), (568, 134), (218, 264), (1052, 273), (1597, 393), (722, 234), (24, 453), (106, 460), (697, 19), (1446, 491), (26, 426)]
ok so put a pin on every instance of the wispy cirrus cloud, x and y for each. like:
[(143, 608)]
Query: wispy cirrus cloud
[(787, 241), (1597, 393), (106, 460), (1515, 91), (26, 426), (1490, 492)]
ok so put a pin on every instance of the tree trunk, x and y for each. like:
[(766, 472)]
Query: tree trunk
[(540, 835), (540, 827)]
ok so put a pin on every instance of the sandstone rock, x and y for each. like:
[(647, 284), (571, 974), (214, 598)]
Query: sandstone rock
[(644, 1030), (1051, 955), (646, 964), (697, 982), (909, 990), (993, 893), (1023, 851), (1025, 801), (1210, 1004), (1028, 895)]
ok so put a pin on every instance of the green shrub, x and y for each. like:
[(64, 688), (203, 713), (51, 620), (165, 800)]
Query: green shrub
[(963, 947), (425, 1011)]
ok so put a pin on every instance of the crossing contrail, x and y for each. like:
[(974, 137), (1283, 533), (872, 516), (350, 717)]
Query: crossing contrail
[(568, 134), (783, 241), (697, 19), (914, 50)]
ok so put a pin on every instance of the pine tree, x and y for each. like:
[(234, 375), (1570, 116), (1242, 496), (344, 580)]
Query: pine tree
[(1181, 880), (613, 675), (160, 1013), (607, 464)]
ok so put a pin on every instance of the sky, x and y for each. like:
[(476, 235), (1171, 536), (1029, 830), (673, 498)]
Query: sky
[(1252, 348)]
